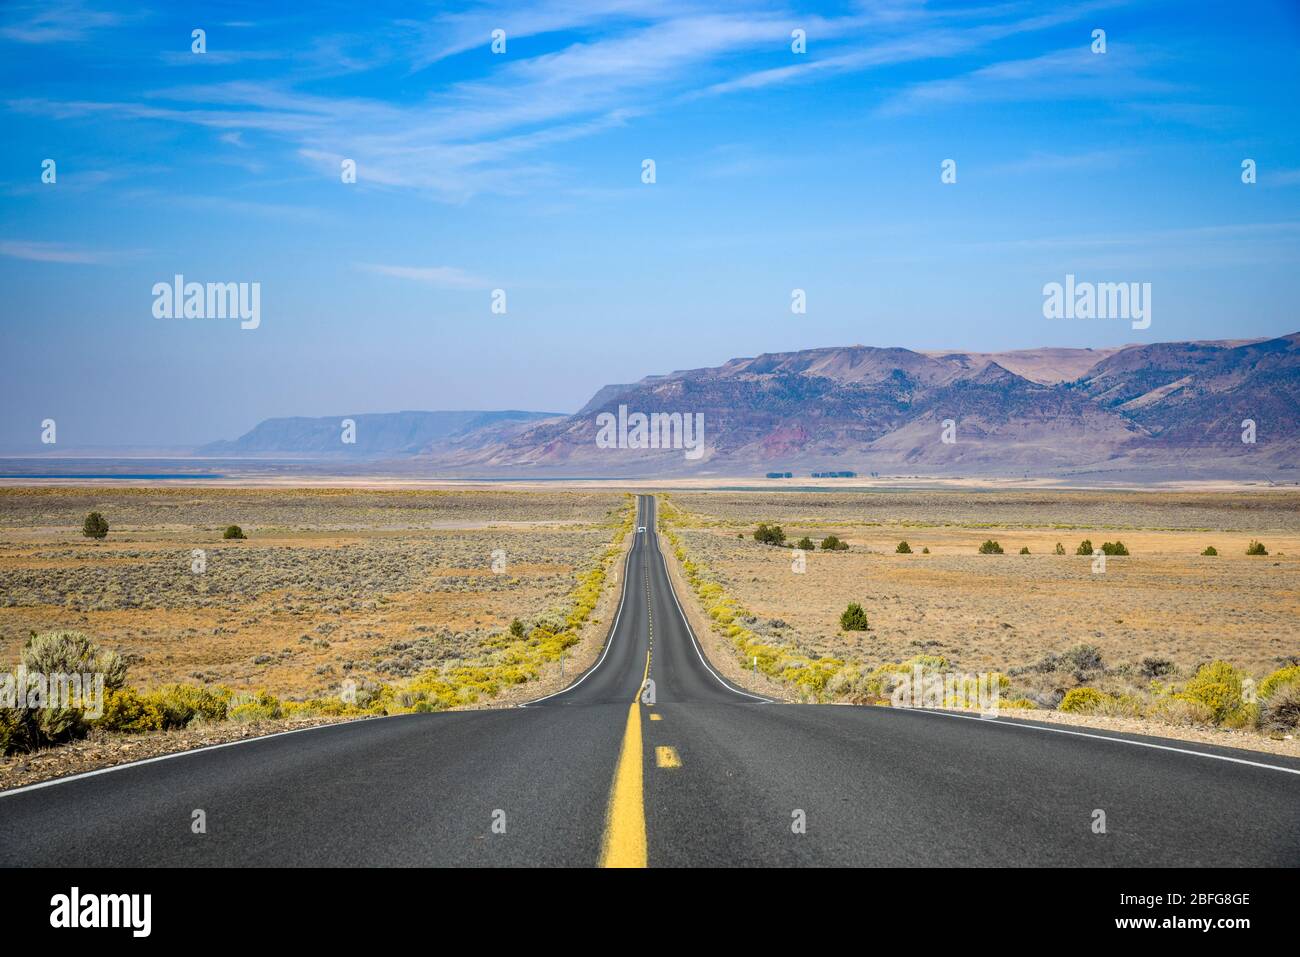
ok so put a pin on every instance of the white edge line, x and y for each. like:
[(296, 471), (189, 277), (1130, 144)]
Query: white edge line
[(180, 754), (609, 641), (1104, 737), (672, 591)]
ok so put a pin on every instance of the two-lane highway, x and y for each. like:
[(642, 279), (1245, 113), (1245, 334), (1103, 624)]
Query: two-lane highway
[(707, 774)]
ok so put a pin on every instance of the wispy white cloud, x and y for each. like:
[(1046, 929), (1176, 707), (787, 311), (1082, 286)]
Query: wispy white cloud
[(444, 277), (44, 252), (626, 59), (928, 36), (229, 206), (453, 33), (79, 179), (53, 21), (218, 57), (1210, 116), (1051, 162), (1067, 73)]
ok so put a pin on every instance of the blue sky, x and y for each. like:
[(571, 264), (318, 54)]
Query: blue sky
[(522, 171)]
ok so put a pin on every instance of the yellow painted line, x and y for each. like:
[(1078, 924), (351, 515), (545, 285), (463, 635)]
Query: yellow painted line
[(656, 717), (666, 757), (624, 841)]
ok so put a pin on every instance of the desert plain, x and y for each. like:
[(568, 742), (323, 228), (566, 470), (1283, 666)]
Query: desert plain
[(381, 585), (1165, 600), (329, 584)]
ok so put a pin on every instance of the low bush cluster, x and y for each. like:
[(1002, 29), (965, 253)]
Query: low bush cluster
[(1216, 695)]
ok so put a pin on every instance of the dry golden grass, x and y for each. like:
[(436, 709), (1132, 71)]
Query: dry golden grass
[(1003, 612), (329, 584)]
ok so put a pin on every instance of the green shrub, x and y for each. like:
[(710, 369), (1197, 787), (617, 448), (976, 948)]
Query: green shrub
[(1085, 547), (1156, 667), (833, 544), (1217, 686), (1083, 700), (1113, 548), (1025, 550), (1210, 550), (990, 547), (903, 548), (806, 544), (15, 732), (1256, 548), (1022, 703), (94, 526), (925, 551), (179, 704), (1278, 680), (1083, 658), (1247, 716), (261, 706), (1060, 549), (854, 618), (1280, 711), (1181, 711), (516, 628), (769, 534), (1120, 706), (233, 531), (72, 652), (65, 654), (128, 712)]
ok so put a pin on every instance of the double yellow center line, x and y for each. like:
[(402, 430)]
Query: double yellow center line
[(624, 841), (624, 844)]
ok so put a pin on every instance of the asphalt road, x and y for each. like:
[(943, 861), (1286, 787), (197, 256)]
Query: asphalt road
[(706, 775)]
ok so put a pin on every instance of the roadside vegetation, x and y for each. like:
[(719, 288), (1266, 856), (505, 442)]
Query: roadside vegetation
[(1076, 680), (516, 655)]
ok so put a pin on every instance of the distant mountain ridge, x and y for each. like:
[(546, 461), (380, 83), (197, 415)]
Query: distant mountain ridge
[(1141, 408), (1166, 410), (377, 434)]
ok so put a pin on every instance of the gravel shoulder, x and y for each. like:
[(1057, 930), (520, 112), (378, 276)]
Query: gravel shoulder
[(102, 750)]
